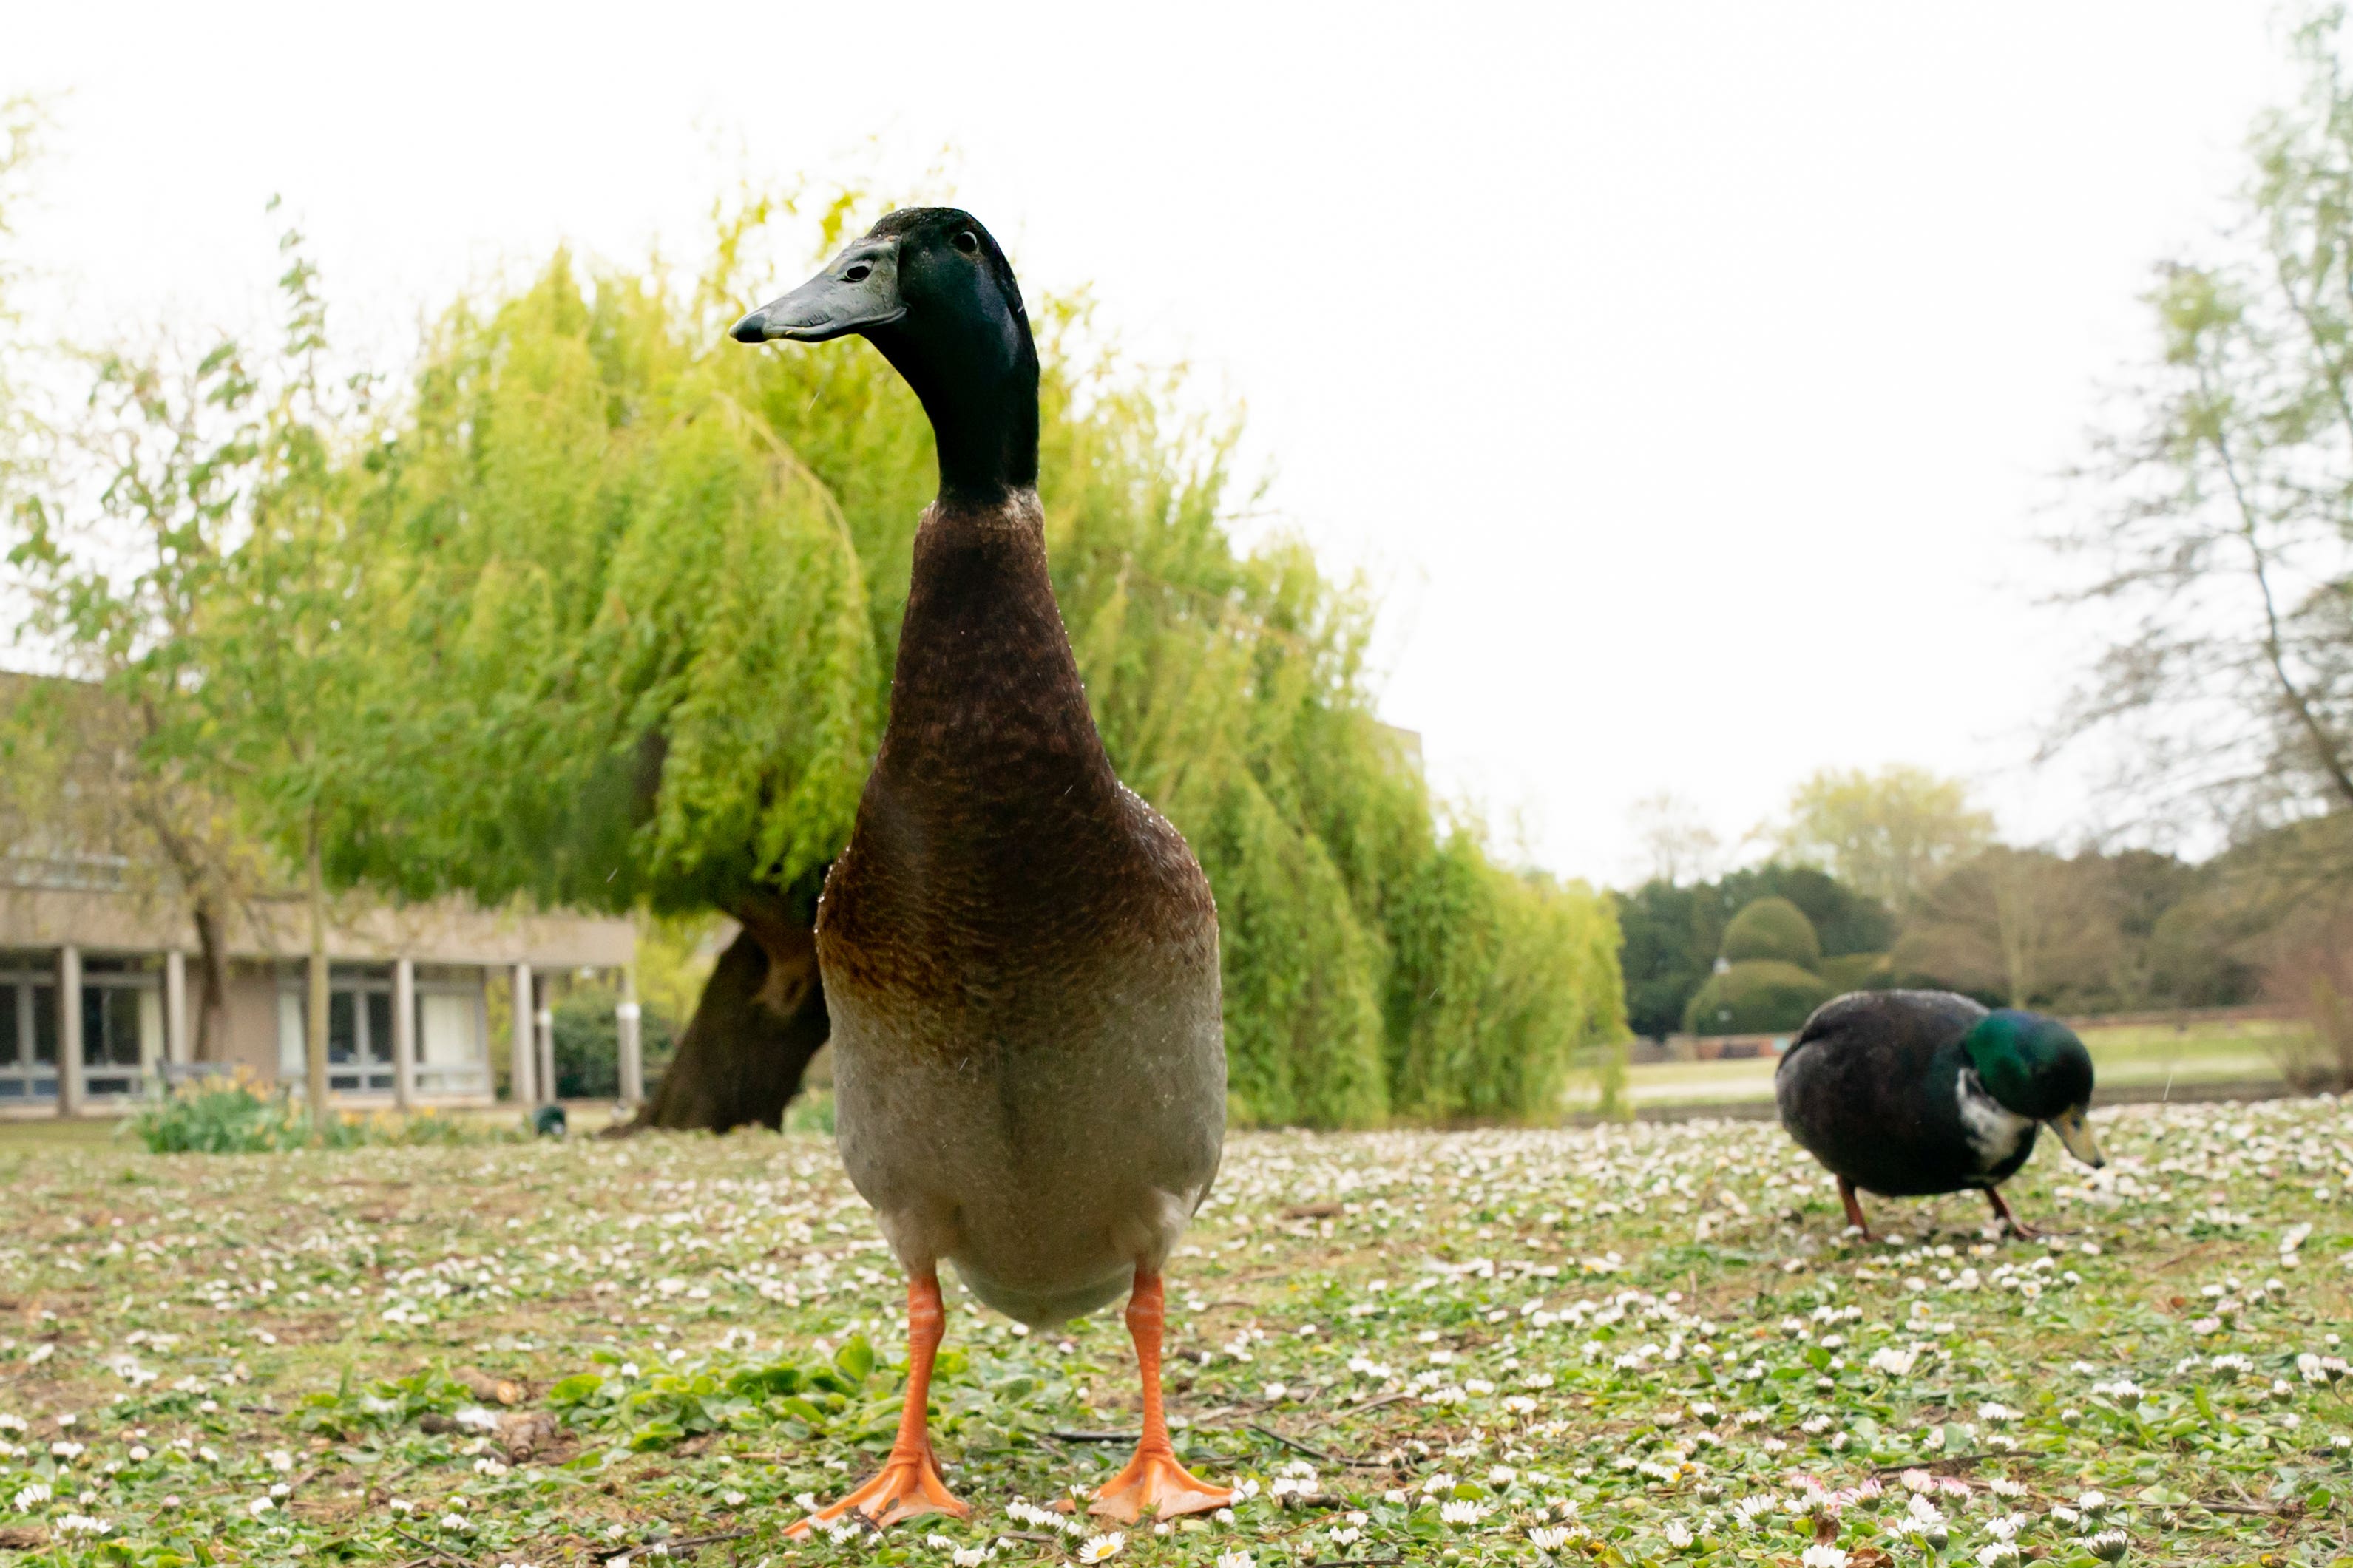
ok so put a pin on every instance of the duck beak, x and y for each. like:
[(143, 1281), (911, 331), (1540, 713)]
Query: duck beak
[(2076, 1133), (859, 290)]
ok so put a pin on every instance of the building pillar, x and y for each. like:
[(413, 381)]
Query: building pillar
[(152, 1051), (523, 1082), (629, 1019), (177, 1047), (545, 1020), (69, 1062), (404, 1034)]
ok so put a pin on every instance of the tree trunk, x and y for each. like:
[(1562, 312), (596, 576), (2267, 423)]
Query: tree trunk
[(316, 1055), (212, 986), (760, 1019)]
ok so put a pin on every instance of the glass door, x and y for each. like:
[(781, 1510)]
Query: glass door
[(121, 1024), (359, 1030), (28, 1033)]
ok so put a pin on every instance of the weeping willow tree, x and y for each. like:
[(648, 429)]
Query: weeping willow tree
[(649, 593)]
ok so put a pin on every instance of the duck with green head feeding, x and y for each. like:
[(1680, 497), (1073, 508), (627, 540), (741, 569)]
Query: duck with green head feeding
[(1909, 1093), (1019, 955)]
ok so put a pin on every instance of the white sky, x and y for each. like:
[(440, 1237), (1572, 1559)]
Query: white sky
[(1690, 377)]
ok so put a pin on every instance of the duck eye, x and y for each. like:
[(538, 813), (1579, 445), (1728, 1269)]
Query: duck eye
[(967, 242), (860, 273)]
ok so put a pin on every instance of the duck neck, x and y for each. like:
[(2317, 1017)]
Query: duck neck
[(979, 389), (985, 699)]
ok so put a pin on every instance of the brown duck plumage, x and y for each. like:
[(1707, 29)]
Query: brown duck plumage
[(1019, 954)]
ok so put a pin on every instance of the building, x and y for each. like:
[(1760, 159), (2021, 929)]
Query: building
[(412, 993)]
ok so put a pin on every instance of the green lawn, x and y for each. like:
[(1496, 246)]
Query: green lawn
[(1628, 1344)]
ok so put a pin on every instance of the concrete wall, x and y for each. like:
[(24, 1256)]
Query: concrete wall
[(252, 1020), (445, 932)]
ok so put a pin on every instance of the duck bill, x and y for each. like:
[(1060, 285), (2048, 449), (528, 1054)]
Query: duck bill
[(832, 304), (2076, 1132)]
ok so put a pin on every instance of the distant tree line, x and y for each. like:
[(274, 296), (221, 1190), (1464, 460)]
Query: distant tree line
[(1758, 949)]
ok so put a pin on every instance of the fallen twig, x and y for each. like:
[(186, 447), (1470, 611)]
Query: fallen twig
[(1940, 1459), (665, 1546), (1295, 1443), (1096, 1437), (1376, 1404), (2237, 1508), (445, 1556)]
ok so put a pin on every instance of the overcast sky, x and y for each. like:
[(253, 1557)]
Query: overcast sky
[(1690, 378)]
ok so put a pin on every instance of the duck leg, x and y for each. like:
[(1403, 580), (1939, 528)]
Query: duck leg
[(2009, 1221), (1855, 1209), (1153, 1482), (909, 1483)]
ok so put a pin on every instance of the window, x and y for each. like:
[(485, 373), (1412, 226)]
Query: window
[(359, 1030), (28, 1029), (450, 1031), (121, 1024)]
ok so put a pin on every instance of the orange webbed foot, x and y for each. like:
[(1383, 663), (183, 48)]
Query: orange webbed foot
[(1154, 1483), (907, 1487)]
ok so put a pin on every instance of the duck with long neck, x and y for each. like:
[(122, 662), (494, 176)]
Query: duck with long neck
[(1019, 955)]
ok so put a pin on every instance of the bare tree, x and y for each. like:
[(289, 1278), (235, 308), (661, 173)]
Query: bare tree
[(2224, 553), (2024, 924), (1674, 843)]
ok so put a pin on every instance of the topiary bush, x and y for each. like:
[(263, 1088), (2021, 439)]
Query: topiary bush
[(1762, 997), (1773, 930), (1848, 972)]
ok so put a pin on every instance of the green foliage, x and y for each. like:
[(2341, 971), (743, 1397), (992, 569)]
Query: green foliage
[(1886, 834), (634, 620), (1846, 920), (351, 1410), (1500, 979), (588, 1042), (1775, 930), (811, 1112), (1856, 971), (20, 122), (214, 1117), (1760, 996), (229, 1116), (657, 1408), (1673, 934)]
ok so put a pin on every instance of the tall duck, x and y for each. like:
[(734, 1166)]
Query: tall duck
[(1019, 955), (1907, 1093)]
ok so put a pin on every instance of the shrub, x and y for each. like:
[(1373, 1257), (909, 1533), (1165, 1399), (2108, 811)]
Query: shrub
[(217, 1116), (232, 1116), (1848, 972), (588, 1043), (1761, 997), (1773, 930)]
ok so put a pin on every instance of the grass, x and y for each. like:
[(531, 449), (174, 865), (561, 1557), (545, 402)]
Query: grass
[(1642, 1344), (2136, 1057)]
